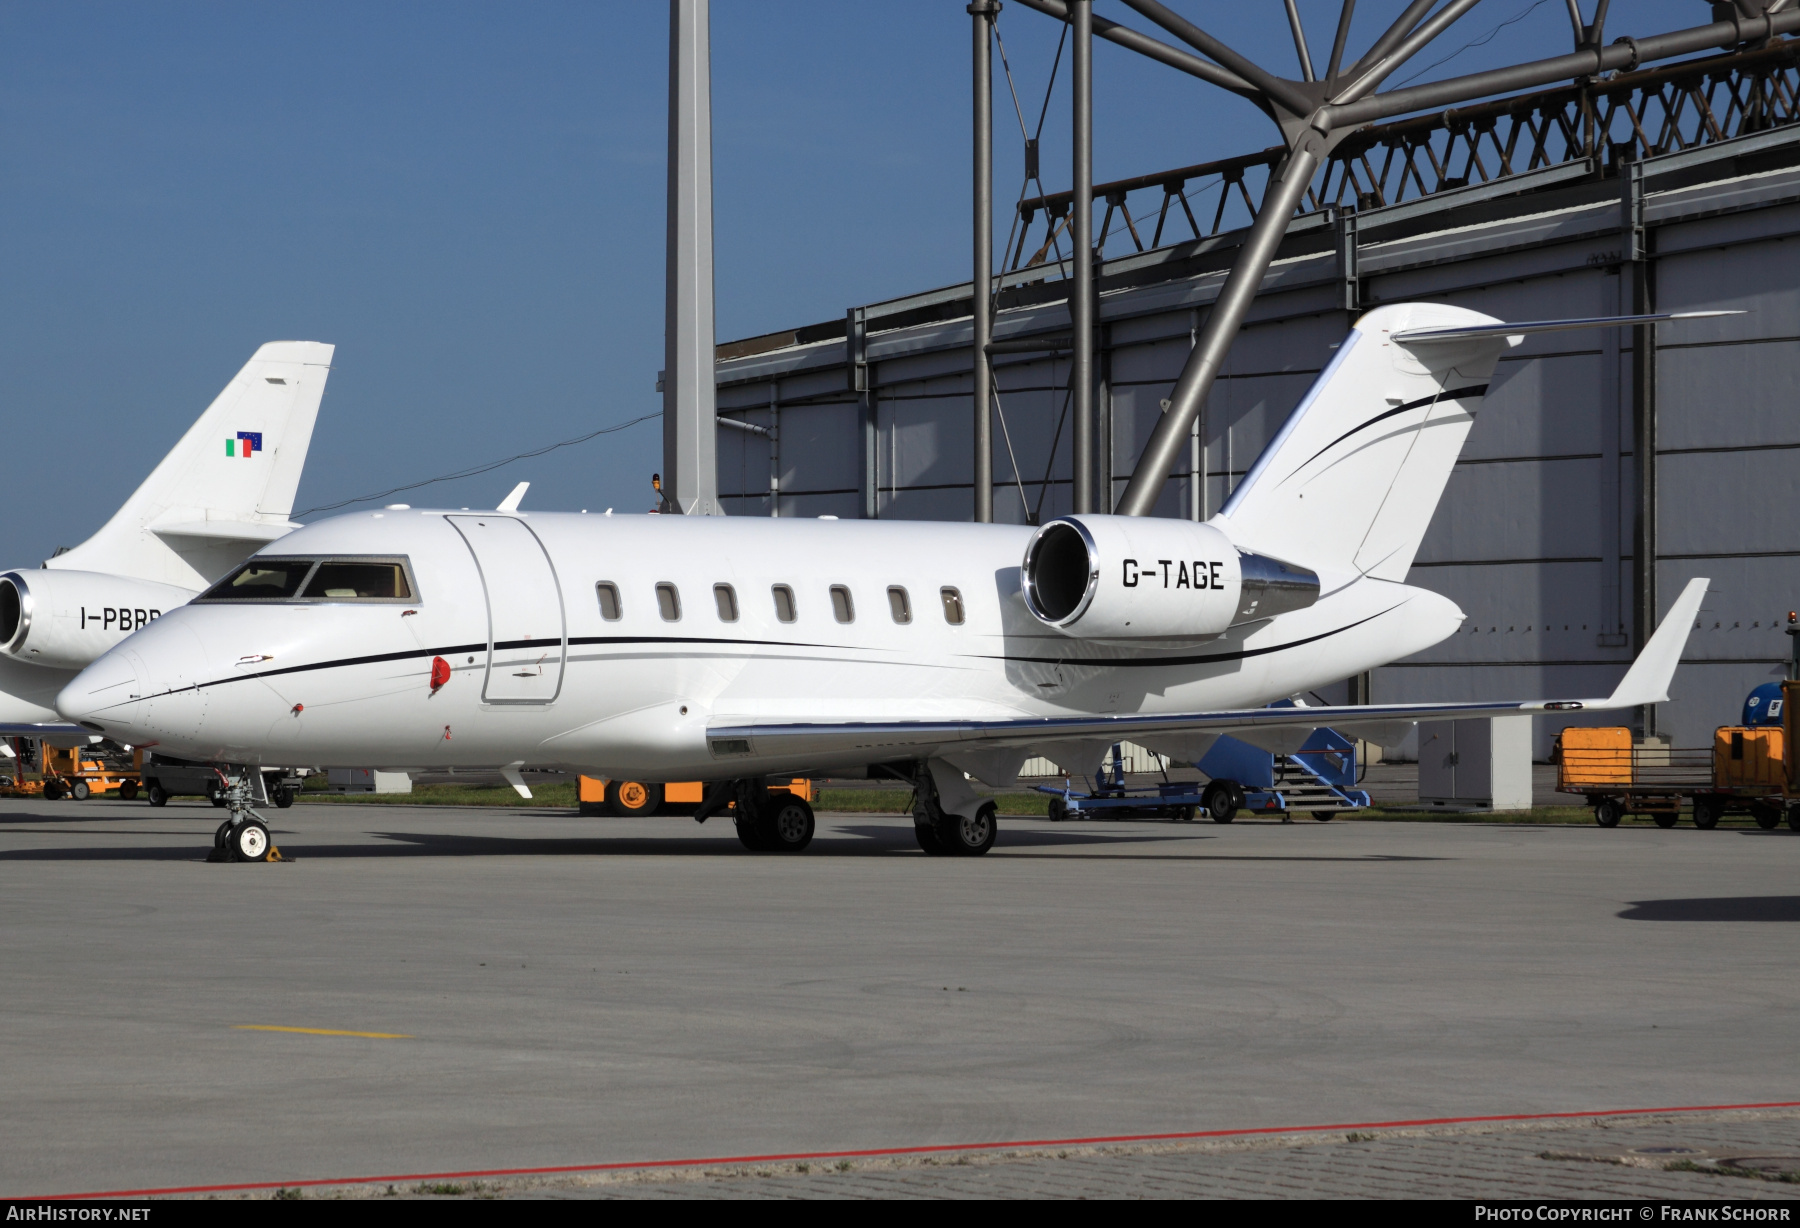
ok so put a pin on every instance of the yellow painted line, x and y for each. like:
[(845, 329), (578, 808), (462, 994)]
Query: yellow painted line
[(269, 1027)]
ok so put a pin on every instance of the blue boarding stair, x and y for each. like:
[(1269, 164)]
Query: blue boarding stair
[(1318, 779)]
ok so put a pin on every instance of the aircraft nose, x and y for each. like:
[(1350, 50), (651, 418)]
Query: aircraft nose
[(100, 696)]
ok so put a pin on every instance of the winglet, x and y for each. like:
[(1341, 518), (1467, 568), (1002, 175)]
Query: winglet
[(512, 501), (1647, 681)]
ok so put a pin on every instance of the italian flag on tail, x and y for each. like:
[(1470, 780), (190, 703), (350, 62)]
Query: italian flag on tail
[(247, 443)]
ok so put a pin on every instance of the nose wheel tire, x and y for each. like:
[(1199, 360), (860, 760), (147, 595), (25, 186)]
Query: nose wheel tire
[(222, 836), (248, 841)]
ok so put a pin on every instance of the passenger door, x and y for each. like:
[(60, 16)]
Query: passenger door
[(527, 637)]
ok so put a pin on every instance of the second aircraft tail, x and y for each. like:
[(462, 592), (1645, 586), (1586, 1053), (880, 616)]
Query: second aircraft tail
[(228, 486)]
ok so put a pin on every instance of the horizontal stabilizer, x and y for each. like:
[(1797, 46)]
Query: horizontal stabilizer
[(1430, 336), (254, 531), (1647, 681)]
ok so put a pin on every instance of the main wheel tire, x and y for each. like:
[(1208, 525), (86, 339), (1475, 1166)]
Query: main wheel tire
[(283, 797), (128, 791), (633, 799), (1608, 812), (53, 790), (751, 834), (249, 841), (927, 837), (1059, 810), (80, 791), (788, 825), (1666, 819), (1767, 817), (1706, 813), (971, 835), (1220, 801), (158, 795)]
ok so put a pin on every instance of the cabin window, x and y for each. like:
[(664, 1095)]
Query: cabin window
[(608, 592), (668, 602), (898, 605), (725, 597), (953, 606), (842, 608), (784, 603)]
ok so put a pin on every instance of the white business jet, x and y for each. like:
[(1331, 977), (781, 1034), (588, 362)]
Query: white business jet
[(732, 650), (226, 489)]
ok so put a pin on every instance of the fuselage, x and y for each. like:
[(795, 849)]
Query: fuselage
[(610, 644)]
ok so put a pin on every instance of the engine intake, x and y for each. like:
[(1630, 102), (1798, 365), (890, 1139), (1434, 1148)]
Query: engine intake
[(1153, 582)]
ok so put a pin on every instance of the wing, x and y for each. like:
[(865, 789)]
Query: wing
[(824, 744)]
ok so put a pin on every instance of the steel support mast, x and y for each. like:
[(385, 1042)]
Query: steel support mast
[(690, 434)]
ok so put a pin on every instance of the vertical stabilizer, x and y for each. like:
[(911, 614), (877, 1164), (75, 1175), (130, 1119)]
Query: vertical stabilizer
[(228, 487), (1353, 477)]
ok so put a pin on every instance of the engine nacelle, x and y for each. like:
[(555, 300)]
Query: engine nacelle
[(1154, 582), (65, 619)]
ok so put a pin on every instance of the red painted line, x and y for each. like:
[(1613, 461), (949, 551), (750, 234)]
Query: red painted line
[(934, 1149)]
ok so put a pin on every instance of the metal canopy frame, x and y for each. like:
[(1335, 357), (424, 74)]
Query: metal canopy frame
[(1314, 114)]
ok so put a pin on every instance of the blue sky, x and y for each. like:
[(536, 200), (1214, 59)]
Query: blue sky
[(467, 199)]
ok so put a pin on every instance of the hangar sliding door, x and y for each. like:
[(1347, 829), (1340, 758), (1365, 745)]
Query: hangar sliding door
[(527, 638)]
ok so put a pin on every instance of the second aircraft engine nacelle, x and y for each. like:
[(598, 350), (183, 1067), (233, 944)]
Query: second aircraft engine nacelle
[(64, 619), (1149, 581)]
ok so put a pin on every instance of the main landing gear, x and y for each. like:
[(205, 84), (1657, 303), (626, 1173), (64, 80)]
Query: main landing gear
[(244, 836), (767, 822), (949, 818)]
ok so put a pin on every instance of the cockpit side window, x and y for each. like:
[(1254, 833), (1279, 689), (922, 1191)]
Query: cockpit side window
[(316, 579), (262, 580), (338, 581)]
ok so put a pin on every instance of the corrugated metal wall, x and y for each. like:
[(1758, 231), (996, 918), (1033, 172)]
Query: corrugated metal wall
[(1533, 538)]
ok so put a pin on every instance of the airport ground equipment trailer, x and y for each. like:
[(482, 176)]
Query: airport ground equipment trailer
[(79, 772), (1318, 779), (1747, 770), (600, 795)]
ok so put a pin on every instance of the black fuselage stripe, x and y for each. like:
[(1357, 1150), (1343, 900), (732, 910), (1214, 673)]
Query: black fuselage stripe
[(1075, 662), (1454, 394)]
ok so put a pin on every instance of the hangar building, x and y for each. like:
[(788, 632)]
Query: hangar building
[(1682, 180)]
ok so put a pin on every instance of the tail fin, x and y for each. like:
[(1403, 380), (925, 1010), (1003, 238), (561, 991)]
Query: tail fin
[(1354, 475), (228, 486)]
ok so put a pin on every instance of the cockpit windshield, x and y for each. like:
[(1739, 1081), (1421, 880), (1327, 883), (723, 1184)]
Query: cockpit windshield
[(315, 579)]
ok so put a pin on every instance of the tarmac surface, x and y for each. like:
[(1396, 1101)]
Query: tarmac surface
[(540, 990)]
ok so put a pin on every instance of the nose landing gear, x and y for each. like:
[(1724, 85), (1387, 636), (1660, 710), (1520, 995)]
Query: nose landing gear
[(244, 836)]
